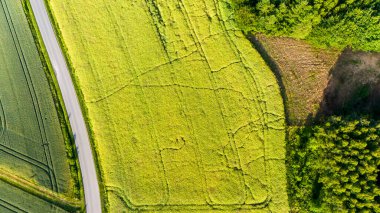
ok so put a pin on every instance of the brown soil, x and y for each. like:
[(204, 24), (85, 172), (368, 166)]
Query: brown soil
[(304, 72)]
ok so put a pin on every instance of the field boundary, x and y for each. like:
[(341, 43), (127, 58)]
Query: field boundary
[(156, 207), (40, 192), (79, 93), (275, 70), (297, 62), (72, 156)]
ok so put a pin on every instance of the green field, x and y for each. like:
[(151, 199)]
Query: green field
[(32, 144), (13, 199), (185, 114)]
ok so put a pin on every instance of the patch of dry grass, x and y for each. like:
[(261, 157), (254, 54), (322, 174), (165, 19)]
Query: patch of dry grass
[(305, 73)]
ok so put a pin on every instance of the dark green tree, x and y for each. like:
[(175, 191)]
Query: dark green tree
[(336, 23), (334, 167), (349, 155)]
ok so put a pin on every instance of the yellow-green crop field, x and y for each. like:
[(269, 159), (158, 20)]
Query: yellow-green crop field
[(185, 114), (32, 145)]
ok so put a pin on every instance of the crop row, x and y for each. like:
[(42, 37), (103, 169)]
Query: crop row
[(36, 106)]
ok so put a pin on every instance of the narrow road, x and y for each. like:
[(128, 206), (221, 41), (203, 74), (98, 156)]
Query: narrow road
[(86, 160)]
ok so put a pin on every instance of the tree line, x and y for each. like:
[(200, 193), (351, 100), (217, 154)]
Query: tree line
[(325, 23)]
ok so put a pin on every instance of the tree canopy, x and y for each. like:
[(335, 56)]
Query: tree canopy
[(334, 167), (328, 23)]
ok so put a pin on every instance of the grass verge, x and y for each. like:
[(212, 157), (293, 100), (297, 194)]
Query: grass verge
[(68, 204), (59, 104), (80, 98)]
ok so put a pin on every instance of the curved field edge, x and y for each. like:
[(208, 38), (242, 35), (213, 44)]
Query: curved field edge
[(274, 95), (59, 105)]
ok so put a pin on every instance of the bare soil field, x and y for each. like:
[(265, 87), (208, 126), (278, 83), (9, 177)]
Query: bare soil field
[(319, 82), (304, 71)]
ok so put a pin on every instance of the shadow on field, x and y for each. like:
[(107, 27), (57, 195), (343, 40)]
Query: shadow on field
[(256, 44), (354, 86), (314, 87)]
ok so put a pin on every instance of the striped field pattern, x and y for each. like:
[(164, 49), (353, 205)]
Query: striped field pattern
[(32, 145)]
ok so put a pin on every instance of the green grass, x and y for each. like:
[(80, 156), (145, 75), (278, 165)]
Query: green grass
[(185, 114), (59, 103), (32, 137), (10, 201), (69, 204)]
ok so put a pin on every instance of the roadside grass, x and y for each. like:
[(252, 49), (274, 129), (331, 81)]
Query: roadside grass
[(59, 104), (84, 108), (185, 116)]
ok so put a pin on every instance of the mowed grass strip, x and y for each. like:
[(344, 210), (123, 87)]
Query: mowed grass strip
[(185, 114), (32, 145)]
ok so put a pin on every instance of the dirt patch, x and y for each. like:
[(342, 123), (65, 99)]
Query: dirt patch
[(354, 85), (304, 71)]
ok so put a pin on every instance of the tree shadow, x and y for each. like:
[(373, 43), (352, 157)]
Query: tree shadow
[(354, 86), (256, 44), (351, 87)]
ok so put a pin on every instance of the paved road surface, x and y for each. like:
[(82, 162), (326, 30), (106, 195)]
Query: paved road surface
[(86, 160)]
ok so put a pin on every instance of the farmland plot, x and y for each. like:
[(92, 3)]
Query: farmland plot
[(185, 114), (13, 199), (32, 145)]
